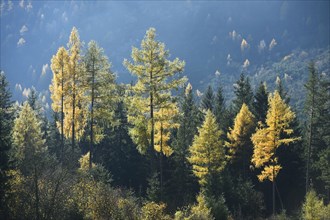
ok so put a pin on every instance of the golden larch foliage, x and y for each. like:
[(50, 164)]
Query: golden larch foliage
[(268, 138), (239, 136), (207, 154)]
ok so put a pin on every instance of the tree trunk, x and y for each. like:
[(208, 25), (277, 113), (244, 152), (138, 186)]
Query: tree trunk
[(152, 142), (310, 137), (36, 193), (161, 162), (62, 119), (92, 118), (73, 112), (273, 192), (309, 149)]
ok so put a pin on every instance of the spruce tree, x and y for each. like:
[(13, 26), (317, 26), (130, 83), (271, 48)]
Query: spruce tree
[(322, 153), (243, 93), (34, 101), (207, 102), (281, 90), (6, 121), (312, 87), (183, 182), (260, 104), (220, 110)]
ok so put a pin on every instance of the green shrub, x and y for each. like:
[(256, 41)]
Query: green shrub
[(314, 208), (154, 211)]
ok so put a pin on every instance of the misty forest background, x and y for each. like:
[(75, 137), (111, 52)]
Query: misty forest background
[(170, 143)]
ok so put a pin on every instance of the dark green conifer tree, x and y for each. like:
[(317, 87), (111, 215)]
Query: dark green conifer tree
[(220, 111), (207, 102), (182, 182), (243, 93), (6, 123), (260, 104)]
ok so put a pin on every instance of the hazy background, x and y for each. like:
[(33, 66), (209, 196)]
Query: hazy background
[(207, 35)]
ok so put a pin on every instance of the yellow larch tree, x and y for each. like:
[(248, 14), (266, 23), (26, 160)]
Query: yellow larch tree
[(207, 153), (165, 122), (268, 138), (75, 103), (239, 138), (59, 66), (156, 78)]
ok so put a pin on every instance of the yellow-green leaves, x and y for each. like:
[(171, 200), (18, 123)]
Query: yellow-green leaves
[(74, 103), (60, 68), (207, 153), (100, 88), (67, 90), (28, 142), (148, 109), (239, 135), (164, 122), (269, 137)]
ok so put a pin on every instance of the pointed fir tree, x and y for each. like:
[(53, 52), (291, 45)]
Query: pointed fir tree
[(239, 139), (54, 136), (59, 88), (6, 123), (281, 90), (183, 182), (268, 138), (207, 102), (35, 103), (321, 153), (260, 104), (100, 92), (243, 93), (312, 87), (220, 110), (207, 154)]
